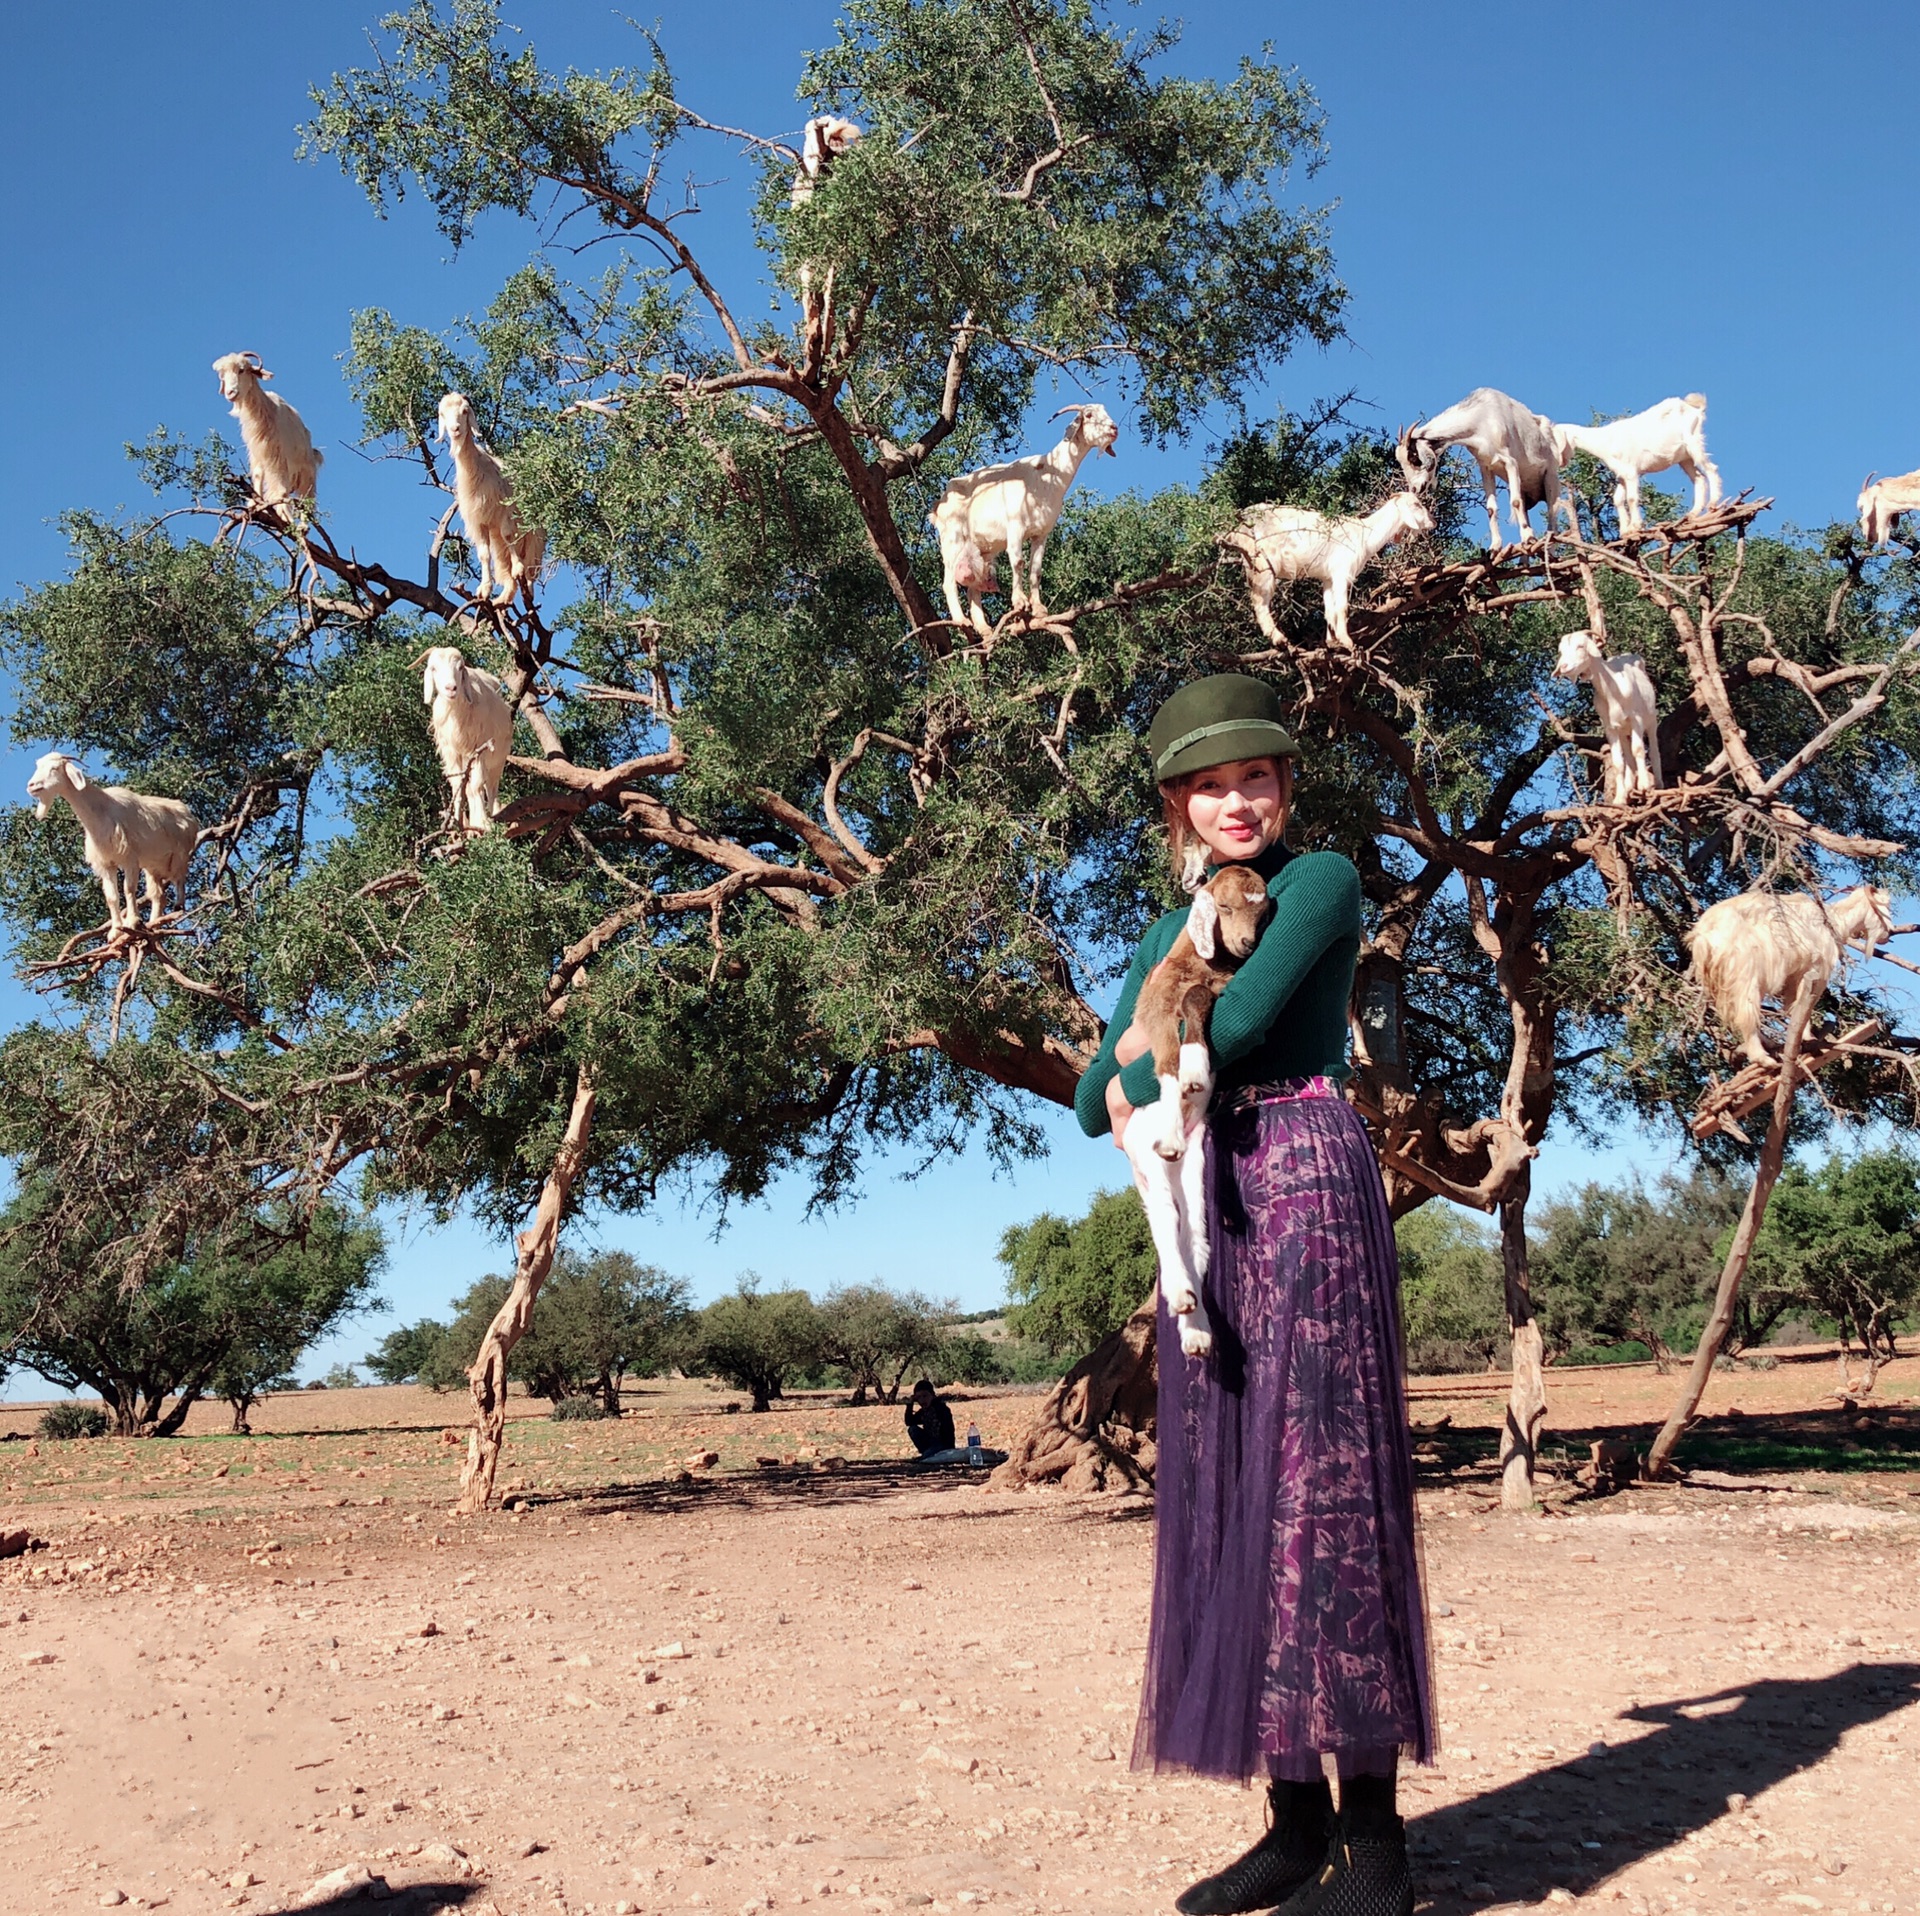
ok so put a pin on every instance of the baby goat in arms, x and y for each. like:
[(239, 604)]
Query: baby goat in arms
[(1166, 1142)]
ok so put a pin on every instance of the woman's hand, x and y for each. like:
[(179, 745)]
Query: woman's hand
[(1133, 1044)]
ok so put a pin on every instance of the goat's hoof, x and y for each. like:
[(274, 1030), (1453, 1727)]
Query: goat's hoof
[(1182, 1303), (1172, 1149), (1195, 1343)]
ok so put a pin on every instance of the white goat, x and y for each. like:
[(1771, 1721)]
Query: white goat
[(472, 726), (281, 458), (1165, 1143), (510, 551), (127, 837), (1673, 433), (1759, 945), (1883, 501), (1008, 507), (1629, 717), (825, 139), (1508, 443), (1292, 542)]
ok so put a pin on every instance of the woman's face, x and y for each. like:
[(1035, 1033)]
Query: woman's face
[(1238, 810)]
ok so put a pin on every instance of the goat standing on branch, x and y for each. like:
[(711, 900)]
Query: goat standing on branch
[(825, 139), (510, 552), (1007, 508), (1167, 1142), (472, 726), (1623, 697), (1276, 543), (128, 837), (1761, 945), (282, 461), (1673, 433), (1882, 502), (1508, 443)]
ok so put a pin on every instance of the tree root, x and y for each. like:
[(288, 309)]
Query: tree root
[(1095, 1428)]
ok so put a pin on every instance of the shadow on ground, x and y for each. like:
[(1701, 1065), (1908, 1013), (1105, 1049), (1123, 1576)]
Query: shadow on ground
[(1580, 1822), (1841, 1440), (414, 1900)]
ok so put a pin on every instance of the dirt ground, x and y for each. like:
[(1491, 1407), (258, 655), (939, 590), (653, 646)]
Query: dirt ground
[(244, 1664)]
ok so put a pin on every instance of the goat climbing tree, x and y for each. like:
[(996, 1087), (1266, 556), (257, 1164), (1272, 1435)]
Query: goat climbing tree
[(788, 863)]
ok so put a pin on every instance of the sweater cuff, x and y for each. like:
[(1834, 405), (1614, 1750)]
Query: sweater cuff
[(1139, 1082)]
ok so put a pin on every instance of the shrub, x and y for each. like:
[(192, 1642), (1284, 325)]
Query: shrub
[(574, 1410), (74, 1420), (341, 1377)]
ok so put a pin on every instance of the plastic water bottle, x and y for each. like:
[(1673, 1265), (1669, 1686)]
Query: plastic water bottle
[(973, 1445)]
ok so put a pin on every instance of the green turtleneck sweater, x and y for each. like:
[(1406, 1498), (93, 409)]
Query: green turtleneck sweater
[(1284, 1015)]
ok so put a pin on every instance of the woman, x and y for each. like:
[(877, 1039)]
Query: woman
[(1288, 1621)]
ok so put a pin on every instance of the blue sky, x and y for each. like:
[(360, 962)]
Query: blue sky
[(1589, 208)]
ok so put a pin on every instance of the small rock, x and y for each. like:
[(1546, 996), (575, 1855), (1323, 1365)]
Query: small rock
[(1559, 1895), (909, 1584), (444, 1713), (1833, 1865), (916, 1901), (675, 1652), (429, 1628), (934, 1757), (447, 1855), (351, 1879), (1737, 1801), (112, 1898), (1600, 1749), (242, 1879), (38, 1656), (703, 1460)]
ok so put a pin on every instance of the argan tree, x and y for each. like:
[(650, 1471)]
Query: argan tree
[(789, 863)]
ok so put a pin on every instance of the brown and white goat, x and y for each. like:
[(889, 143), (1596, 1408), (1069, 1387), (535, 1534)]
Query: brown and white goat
[(1759, 945), (1166, 1142)]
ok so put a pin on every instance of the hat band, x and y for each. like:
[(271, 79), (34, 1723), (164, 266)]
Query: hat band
[(1200, 732)]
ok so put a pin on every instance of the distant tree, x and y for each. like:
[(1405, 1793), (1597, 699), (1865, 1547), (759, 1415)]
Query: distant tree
[(1072, 1282), (1451, 1295), (876, 1335), (1844, 1242), (341, 1377), (402, 1354), (602, 1317), (755, 1340), (965, 1357), (1619, 1263), (223, 1320)]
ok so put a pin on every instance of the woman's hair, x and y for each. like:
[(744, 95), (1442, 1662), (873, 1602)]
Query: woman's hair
[(1186, 850)]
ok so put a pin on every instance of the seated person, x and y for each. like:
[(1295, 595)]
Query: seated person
[(929, 1421)]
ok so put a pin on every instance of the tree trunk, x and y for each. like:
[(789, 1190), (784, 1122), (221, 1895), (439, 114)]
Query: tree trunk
[(240, 1426), (1527, 1394), (1095, 1428), (1772, 1153), (610, 1395), (534, 1249)]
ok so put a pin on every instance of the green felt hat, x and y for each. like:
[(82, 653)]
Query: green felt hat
[(1215, 721)]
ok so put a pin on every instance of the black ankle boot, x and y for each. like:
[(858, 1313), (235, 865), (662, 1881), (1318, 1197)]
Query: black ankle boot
[(1290, 1853), (1366, 1874)]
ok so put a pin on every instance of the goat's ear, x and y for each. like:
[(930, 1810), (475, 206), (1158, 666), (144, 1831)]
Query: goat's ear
[(75, 776), (1203, 925)]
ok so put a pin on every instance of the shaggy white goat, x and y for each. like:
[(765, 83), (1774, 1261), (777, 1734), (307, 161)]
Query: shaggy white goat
[(472, 726), (510, 551), (825, 139), (127, 836), (1623, 697), (1673, 433), (1508, 443), (1165, 1143), (1008, 507), (1760, 945), (1292, 542), (281, 457), (1882, 501)]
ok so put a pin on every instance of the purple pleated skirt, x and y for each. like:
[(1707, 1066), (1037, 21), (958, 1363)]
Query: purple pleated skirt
[(1289, 1618)]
